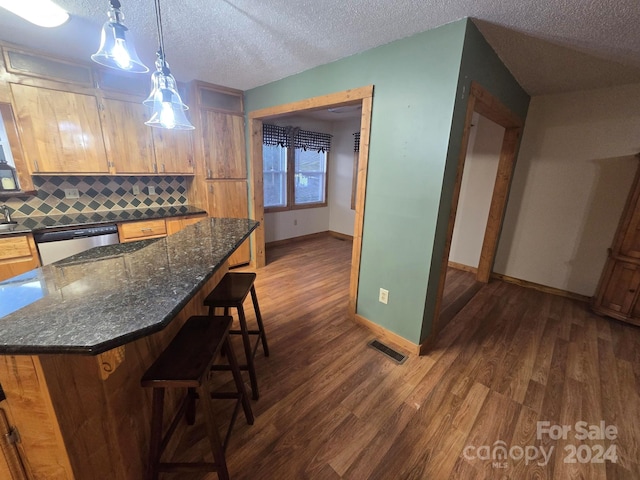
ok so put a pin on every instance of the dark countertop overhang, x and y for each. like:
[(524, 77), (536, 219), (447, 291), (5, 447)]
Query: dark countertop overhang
[(108, 296)]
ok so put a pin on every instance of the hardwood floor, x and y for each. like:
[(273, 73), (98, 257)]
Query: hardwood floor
[(331, 407)]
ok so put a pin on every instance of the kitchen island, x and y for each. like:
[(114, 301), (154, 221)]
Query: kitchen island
[(72, 356)]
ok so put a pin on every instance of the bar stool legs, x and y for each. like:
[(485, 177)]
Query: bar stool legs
[(231, 293), (186, 364)]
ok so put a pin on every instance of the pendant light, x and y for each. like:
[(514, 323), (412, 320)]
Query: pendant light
[(116, 44), (167, 106)]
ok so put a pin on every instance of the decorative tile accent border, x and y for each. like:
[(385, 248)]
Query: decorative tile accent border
[(97, 194)]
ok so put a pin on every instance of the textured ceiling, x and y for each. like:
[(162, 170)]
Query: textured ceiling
[(549, 45)]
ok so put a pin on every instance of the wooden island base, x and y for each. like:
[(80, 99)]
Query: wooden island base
[(86, 417)]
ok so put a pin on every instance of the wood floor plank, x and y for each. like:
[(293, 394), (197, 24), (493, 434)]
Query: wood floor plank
[(330, 407)]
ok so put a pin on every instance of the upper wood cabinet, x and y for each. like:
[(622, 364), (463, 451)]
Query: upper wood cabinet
[(15, 145), (174, 150), (61, 130), (128, 140), (223, 145)]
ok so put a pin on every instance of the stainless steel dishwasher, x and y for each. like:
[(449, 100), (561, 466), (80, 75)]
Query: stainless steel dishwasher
[(58, 244)]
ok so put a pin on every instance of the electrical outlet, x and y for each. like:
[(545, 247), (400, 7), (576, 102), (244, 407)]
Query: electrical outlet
[(136, 190), (152, 190), (384, 296), (71, 193)]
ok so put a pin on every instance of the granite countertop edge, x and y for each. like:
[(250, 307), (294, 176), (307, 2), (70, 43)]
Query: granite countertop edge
[(99, 217), (119, 340)]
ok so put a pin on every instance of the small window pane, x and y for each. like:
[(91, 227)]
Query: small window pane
[(275, 175), (309, 185)]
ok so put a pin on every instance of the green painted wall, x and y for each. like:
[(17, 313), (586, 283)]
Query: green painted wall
[(480, 64), (416, 85)]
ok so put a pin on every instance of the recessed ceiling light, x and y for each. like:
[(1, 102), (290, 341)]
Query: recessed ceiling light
[(43, 13)]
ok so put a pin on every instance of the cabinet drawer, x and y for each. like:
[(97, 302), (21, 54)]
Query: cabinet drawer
[(138, 230), (14, 247)]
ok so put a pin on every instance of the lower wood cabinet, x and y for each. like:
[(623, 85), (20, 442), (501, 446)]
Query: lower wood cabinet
[(18, 254), (11, 463), (158, 228), (175, 224), (618, 294), (145, 229)]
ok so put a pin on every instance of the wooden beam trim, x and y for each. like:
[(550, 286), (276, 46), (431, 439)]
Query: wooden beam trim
[(345, 97), (506, 166), (491, 107), (363, 165), (435, 328)]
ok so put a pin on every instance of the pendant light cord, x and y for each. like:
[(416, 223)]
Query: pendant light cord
[(160, 33)]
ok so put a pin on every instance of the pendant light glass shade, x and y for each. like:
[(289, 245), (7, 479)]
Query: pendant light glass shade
[(167, 106), (117, 49), (168, 110)]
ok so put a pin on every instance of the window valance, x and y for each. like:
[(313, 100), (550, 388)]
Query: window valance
[(295, 137), (356, 142)]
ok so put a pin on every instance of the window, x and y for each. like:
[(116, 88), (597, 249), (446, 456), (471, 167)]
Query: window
[(310, 178), (275, 175), (294, 168)]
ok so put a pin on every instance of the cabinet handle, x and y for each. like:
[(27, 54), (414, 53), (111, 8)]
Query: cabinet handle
[(209, 173), (35, 165), (155, 168), (146, 229), (163, 168)]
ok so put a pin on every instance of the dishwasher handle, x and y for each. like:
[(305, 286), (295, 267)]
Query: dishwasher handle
[(59, 235)]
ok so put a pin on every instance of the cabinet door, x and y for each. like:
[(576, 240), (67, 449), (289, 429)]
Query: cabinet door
[(61, 130), (128, 140), (174, 150), (620, 291), (223, 145), (145, 229), (174, 225), (228, 198), (17, 256)]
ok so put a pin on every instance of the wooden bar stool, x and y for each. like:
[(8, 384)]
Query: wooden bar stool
[(231, 293), (186, 363)]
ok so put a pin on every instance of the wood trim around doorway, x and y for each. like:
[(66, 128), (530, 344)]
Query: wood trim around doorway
[(483, 102), (361, 95)]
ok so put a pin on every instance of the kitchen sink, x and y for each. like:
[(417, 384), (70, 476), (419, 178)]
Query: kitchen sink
[(4, 226)]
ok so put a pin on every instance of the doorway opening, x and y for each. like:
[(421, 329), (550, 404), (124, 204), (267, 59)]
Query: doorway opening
[(485, 107), (360, 96)]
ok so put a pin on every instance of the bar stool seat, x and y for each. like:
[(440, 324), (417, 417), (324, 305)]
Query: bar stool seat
[(231, 292), (186, 363)]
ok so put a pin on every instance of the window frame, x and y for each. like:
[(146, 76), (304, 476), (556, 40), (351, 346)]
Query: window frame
[(291, 173)]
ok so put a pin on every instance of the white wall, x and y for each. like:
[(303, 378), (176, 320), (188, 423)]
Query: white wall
[(478, 180), (574, 172), (341, 217), (337, 216)]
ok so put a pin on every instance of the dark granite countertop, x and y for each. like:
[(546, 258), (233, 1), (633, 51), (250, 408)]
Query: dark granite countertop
[(36, 224), (108, 296)]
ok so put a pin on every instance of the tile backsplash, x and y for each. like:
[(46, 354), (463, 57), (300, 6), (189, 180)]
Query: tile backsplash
[(97, 193)]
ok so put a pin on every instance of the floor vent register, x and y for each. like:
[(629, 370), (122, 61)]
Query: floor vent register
[(397, 357)]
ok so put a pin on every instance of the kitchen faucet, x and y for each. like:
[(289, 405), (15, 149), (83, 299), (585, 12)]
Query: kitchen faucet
[(6, 214)]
